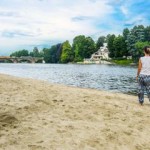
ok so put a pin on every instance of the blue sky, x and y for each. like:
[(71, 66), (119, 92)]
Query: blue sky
[(42, 23)]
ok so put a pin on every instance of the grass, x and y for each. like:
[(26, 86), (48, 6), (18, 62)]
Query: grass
[(122, 62)]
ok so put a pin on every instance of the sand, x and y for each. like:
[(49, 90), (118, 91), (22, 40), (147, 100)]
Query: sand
[(35, 115)]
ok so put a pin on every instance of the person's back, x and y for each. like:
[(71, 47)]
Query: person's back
[(145, 70)]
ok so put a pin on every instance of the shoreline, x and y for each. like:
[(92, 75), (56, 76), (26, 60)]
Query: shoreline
[(36, 115), (71, 85)]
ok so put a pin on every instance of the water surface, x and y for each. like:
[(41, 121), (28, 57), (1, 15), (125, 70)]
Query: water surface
[(104, 77)]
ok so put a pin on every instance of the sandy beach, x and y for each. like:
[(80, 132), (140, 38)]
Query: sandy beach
[(36, 115)]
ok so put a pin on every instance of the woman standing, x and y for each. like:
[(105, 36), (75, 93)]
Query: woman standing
[(143, 75)]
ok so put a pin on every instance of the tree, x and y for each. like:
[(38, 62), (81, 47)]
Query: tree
[(83, 47), (20, 53), (147, 33), (67, 53), (136, 35), (139, 48), (89, 47), (100, 42), (58, 52), (36, 52), (31, 54), (53, 51), (110, 40), (138, 32), (119, 47), (47, 57), (125, 33), (77, 47), (53, 54)]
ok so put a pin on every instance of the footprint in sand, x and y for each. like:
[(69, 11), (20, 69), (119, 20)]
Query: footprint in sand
[(139, 114), (36, 147), (6, 119), (55, 101)]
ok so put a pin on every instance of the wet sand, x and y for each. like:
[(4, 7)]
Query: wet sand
[(35, 115)]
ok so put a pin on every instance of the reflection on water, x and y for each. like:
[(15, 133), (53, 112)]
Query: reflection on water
[(104, 77)]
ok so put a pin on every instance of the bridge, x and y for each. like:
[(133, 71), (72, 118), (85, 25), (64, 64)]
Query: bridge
[(26, 59)]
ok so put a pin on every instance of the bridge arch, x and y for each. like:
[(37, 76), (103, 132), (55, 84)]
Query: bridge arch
[(25, 61)]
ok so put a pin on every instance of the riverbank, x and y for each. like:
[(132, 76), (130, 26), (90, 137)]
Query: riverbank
[(35, 115), (126, 62), (105, 62)]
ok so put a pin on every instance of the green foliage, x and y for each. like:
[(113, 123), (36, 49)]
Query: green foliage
[(125, 33), (20, 53), (136, 35), (47, 56), (83, 47), (147, 33), (67, 53), (130, 43), (139, 48), (89, 47), (122, 61), (77, 47), (36, 52), (111, 48), (119, 46), (53, 50), (53, 54), (100, 42)]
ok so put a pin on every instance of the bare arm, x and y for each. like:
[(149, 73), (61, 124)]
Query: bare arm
[(139, 67)]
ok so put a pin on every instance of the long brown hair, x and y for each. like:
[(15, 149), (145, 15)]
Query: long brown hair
[(147, 50)]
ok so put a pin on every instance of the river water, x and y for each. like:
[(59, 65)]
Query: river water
[(104, 77)]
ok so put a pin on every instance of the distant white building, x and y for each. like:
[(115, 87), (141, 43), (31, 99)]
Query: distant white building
[(96, 57), (102, 53)]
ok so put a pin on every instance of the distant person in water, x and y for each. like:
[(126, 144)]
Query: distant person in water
[(143, 75)]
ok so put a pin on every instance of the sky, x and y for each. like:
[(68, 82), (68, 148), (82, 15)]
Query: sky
[(25, 24)]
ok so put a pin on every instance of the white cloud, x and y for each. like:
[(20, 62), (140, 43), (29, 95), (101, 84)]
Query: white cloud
[(35, 21), (124, 10)]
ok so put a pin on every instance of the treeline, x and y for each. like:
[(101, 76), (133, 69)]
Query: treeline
[(129, 43), (81, 48), (34, 53)]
